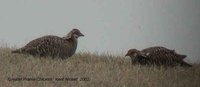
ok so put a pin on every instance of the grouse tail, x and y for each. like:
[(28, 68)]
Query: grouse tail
[(182, 56), (185, 64)]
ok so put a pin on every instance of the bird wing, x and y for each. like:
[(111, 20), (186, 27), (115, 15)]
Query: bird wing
[(156, 49), (42, 44), (162, 51)]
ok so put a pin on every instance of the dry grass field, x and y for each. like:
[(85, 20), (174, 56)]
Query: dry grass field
[(89, 70)]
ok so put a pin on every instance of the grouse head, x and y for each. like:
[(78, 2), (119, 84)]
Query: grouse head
[(74, 33), (133, 53)]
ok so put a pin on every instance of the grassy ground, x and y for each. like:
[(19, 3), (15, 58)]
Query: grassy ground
[(87, 69)]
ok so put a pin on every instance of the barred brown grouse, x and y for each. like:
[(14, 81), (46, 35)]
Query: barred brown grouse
[(159, 56), (52, 45)]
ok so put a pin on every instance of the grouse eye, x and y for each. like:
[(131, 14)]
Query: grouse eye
[(77, 32), (74, 32), (134, 54)]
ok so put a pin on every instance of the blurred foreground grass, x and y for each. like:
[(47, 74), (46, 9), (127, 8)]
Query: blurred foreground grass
[(92, 70)]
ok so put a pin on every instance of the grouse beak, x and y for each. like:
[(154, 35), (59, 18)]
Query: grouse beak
[(127, 55), (80, 34)]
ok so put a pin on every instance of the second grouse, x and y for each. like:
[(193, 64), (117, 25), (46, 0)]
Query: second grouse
[(159, 56)]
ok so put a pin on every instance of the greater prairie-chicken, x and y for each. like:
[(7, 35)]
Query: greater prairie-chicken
[(159, 56), (53, 46)]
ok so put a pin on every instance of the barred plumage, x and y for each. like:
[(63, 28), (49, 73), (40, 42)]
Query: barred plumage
[(52, 45), (157, 56)]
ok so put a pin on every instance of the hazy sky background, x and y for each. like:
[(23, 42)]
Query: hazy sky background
[(112, 26)]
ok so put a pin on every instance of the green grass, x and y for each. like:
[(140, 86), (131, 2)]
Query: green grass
[(103, 70)]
